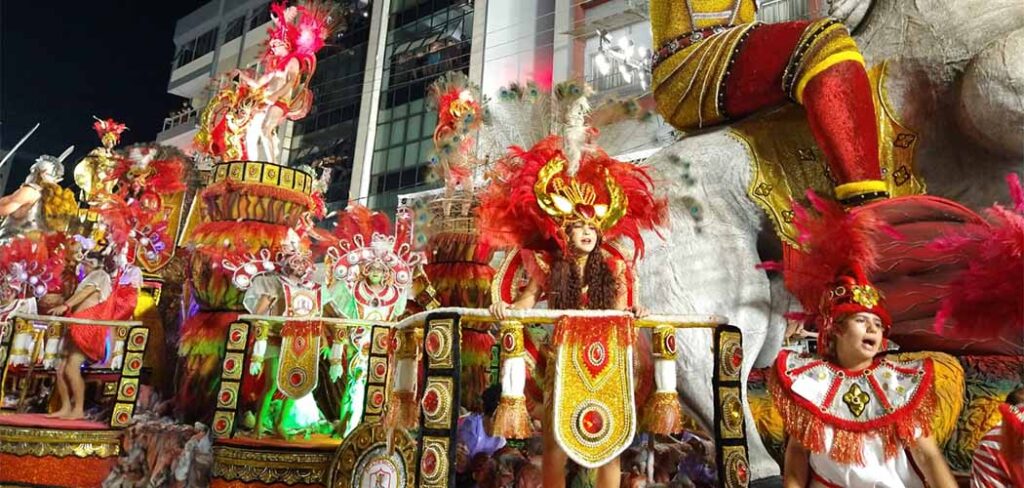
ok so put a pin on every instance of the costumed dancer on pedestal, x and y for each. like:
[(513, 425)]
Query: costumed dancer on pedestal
[(93, 172), (459, 266), (128, 225), (371, 275), (854, 416), (284, 285), (28, 271), (564, 204), (242, 119), (714, 63)]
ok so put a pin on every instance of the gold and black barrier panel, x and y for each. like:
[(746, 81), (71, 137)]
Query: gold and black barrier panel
[(376, 375), (730, 431), (232, 370), (136, 339), (439, 408)]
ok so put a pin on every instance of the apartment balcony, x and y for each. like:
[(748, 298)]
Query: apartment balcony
[(609, 16), (179, 129)]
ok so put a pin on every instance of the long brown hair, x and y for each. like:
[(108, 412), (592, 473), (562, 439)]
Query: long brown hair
[(565, 285)]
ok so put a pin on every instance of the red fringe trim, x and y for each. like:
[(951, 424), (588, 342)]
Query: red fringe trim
[(260, 190), (804, 422), (584, 330)]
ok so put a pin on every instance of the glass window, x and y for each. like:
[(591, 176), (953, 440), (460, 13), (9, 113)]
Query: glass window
[(413, 130), (384, 115), (416, 106), (398, 132), (378, 162), (429, 123), (234, 28), (381, 137), (400, 110), (206, 42), (412, 155), (260, 16), (394, 159), (426, 150), (186, 53)]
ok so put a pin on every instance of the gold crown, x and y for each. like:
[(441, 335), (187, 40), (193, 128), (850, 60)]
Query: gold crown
[(570, 200)]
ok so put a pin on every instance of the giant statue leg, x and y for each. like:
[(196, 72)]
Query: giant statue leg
[(707, 264), (817, 65)]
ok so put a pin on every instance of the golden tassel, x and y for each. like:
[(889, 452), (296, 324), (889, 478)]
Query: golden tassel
[(511, 419), (663, 414)]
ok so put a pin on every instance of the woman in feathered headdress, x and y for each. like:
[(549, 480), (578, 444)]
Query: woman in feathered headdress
[(854, 416), (562, 205)]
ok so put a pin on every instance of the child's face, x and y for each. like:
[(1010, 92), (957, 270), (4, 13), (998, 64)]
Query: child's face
[(859, 338)]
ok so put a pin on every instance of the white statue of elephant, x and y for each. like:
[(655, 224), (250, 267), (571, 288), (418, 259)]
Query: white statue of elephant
[(955, 77)]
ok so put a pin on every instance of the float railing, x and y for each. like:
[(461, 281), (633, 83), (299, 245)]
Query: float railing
[(244, 332), (434, 461)]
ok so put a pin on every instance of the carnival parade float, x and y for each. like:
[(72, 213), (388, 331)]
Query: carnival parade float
[(772, 297)]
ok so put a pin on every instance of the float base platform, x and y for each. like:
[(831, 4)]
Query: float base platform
[(37, 451), (272, 463)]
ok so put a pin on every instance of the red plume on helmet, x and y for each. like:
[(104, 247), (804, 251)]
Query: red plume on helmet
[(828, 274)]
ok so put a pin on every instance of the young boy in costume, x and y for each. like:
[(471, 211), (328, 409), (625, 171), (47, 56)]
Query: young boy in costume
[(854, 417)]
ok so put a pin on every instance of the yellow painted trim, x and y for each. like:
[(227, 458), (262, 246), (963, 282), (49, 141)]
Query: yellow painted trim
[(825, 64), (847, 190)]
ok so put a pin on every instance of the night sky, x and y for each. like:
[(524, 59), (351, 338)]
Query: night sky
[(61, 62)]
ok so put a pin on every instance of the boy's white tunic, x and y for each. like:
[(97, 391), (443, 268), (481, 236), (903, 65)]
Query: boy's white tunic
[(856, 425)]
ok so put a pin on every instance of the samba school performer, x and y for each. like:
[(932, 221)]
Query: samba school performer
[(562, 204), (714, 63), (108, 289), (288, 64), (98, 296), (854, 416)]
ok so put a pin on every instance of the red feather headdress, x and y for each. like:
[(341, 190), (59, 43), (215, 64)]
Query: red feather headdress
[(303, 29), (829, 274), (362, 237), (133, 224), (532, 198), (988, 297), (158, 169), (109, 131), (30, 267)]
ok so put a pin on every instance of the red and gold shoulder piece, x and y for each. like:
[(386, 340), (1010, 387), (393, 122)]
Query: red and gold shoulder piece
[(891, 399)]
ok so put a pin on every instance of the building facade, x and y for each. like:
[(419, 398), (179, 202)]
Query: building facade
[(370, 117)]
